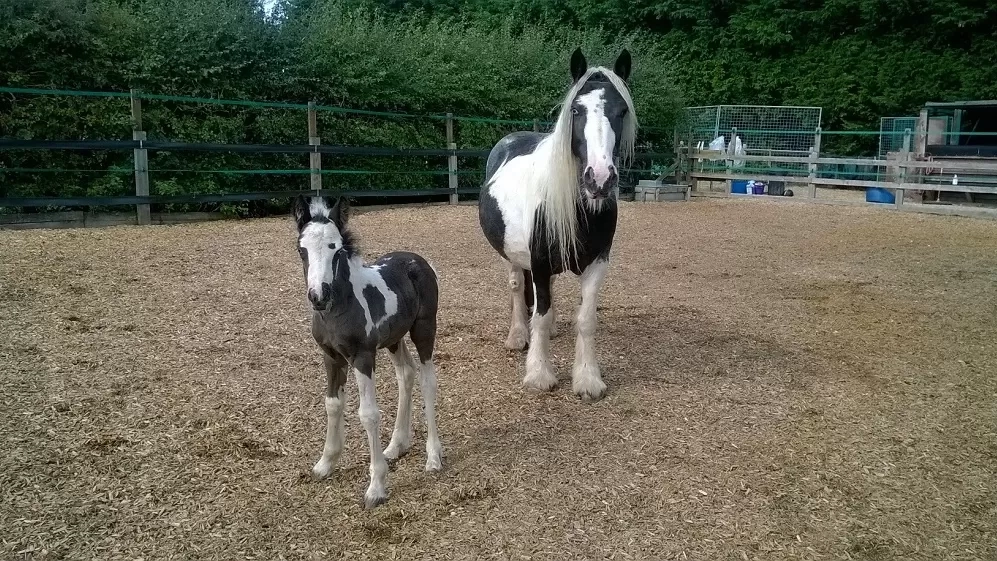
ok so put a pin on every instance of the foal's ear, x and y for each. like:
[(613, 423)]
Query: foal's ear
[(578, 65), (622, 66), (340, 213), (300, 211)]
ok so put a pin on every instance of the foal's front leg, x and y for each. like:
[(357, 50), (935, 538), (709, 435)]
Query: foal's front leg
[(586, 380), (539, 371), (370, 417), (335, 436)]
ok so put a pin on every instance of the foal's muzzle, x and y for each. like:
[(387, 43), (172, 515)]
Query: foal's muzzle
[(320, 301), (591, 187)]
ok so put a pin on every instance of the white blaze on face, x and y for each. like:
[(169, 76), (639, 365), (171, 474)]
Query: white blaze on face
[(599, 136), (321, 241)]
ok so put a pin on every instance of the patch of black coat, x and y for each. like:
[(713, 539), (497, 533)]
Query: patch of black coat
[(375, 302), (342, 327), (596, 230)]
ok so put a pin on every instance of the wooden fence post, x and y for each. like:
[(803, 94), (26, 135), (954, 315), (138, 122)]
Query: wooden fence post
[(143, 212), (812, 166), (452, 160), (314, 158), (902, 170), (536, 125)]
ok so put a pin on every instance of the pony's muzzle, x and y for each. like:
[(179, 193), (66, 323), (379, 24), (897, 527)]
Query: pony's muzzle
[(598, 185), (320, 301)]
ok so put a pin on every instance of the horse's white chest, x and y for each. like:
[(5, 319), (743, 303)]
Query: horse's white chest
[(518, 205)]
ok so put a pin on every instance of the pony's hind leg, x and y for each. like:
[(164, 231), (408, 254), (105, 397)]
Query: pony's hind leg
[(539, 371), (370, 417), (335, 436), (518, 331), (586, 379), (401, 438), (424, 336)]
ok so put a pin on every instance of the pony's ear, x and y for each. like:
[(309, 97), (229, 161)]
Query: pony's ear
[(300, 211), (578, 65), (340, 213), (622, 66)]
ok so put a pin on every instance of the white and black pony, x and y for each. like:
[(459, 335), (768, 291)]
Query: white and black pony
[(549, 205), (359, 309)]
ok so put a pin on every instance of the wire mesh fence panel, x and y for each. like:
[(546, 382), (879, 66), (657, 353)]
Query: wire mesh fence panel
[(891, 133), (761, 129)]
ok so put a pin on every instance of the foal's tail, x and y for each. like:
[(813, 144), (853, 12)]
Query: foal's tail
[(528, 294)]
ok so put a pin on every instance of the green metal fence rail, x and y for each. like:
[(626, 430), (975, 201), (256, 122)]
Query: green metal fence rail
[(141, 146)]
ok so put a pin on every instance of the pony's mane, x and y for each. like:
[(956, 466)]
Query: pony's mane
[(555, 177)]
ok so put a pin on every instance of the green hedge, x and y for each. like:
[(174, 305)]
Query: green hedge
[(337, 55)]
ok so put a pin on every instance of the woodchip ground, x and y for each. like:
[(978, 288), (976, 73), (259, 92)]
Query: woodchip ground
[(786, 381)]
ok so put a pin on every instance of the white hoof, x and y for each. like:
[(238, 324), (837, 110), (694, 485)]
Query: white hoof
[(374, 497), (433, 460), (396, 449), (323, 469), (586, 381), (540, 378), (518, 336)]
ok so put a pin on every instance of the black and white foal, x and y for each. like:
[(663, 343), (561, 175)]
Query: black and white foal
[(359, 309), (549, 205)]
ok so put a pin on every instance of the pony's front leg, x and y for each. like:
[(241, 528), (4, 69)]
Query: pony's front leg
[(518, 332), (370, 417), (335, 436), (586, 380), (539, 371)]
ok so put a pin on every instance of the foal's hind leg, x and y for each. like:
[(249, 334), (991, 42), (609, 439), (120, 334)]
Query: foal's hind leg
[(401, 438), (335, 436), (424, 336), (518, 332)]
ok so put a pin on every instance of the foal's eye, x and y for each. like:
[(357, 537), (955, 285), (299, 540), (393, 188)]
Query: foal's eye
[(333, 246), (574, 111), (624, 112)]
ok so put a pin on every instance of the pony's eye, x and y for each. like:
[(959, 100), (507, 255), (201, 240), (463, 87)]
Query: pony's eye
[(333, 246), (624, 112), (303, 252), (574, 111)]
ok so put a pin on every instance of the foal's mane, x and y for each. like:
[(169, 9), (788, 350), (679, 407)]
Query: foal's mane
[(555, 171), (319, 212)]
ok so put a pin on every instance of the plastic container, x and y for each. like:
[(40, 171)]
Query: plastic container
[(879, 195), (757, 189), (739, 186)]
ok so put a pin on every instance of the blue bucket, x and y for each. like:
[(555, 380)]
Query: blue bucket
[(879, 195), (739, 186)]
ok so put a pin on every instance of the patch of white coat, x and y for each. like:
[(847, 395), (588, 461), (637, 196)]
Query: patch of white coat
[(434, 449), (586, 379), (539, 370), (401, 437), (370, 418), (599, 136), (517, 205), (316, 207), (335, 436), (321, 241)]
